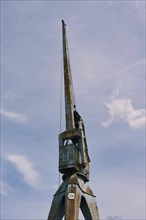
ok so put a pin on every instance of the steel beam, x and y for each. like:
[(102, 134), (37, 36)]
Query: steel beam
[(72, 195)]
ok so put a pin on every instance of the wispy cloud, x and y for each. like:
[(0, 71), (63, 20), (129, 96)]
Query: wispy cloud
[(25, 167), (5, 188), (15, 117), (122, 109), (8, 95), (140, 62)]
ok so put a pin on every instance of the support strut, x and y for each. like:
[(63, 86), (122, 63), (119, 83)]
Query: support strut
[(72, 195)]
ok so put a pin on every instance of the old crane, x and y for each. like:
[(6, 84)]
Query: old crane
[(74, 193)]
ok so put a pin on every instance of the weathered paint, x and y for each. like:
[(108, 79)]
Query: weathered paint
[(76, 152), (68, 90), (74, 192)]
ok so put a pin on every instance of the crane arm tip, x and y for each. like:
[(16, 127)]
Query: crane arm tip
[(63, 22)]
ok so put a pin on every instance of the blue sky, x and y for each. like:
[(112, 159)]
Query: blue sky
[(107, 52)]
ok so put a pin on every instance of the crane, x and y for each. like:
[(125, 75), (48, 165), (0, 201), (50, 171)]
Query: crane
[(74, 193)]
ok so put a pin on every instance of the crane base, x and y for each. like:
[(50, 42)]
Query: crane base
[(73, 194)]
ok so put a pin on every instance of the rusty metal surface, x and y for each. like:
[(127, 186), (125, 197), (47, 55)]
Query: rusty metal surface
[(67, 82), (74, 192), (72, 203), (72, 195), (79, 180), (71, 133), (79, 161)]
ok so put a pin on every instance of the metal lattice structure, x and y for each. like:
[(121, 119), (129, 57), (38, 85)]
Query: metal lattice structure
[(74, 192)]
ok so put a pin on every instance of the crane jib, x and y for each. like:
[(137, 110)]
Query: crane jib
[(67, 82), (74, 193)]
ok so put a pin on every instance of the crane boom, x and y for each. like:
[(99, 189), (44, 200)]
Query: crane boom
[(73, 151), (68, 89), (74, 193)]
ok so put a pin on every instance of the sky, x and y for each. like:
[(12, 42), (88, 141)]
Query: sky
[(107, 55)]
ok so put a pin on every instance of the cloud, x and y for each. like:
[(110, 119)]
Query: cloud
[(114, 40), (9, 95), (15, 117), (25, 167), (137, 63), (5, 188), (122, 109)]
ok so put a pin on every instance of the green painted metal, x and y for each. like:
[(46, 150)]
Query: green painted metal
[(74, 193)]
